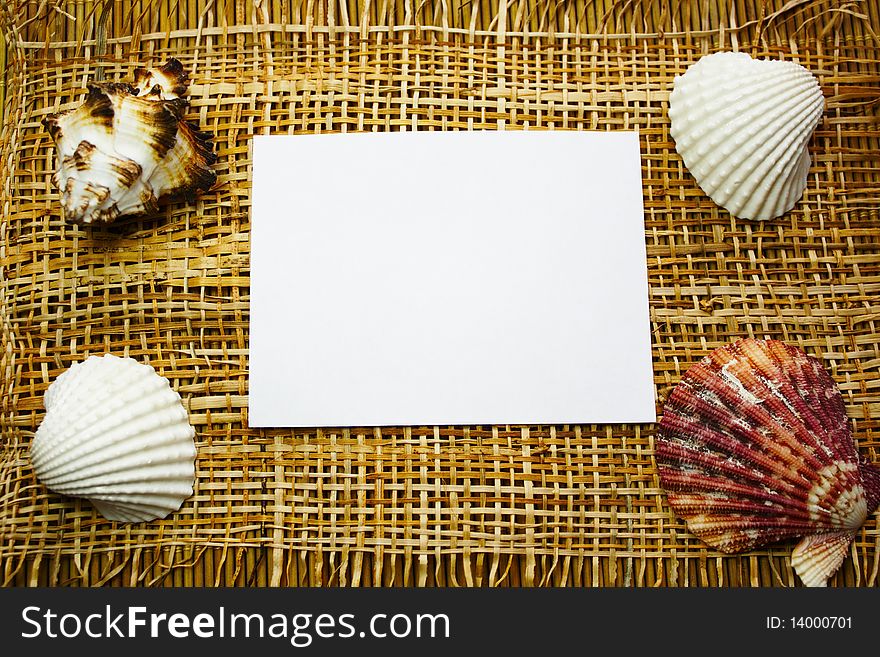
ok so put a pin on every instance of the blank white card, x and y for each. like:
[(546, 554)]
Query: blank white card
[(425, 278)]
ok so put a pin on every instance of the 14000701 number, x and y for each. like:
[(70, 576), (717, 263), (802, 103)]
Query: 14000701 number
[(809, 623)]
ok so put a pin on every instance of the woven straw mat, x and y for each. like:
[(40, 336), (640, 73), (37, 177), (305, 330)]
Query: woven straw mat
[(431, 505)]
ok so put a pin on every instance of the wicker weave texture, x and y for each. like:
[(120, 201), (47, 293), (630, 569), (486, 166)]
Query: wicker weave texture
[(488, 505)]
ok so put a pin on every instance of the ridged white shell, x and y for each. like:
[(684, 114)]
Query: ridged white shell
[(742, 126), (117, 434)]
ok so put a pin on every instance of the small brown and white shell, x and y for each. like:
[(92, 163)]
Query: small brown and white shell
[(128, 146), (755, 447), (171, 79)]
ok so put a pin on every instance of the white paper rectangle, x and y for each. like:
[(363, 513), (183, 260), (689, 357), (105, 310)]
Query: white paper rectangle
[(448, 278)]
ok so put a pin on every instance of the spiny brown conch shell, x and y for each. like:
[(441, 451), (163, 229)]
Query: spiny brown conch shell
[(755, 447), (127, 146)]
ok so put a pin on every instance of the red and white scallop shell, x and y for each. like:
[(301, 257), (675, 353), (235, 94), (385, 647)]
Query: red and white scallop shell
[(755, 447)]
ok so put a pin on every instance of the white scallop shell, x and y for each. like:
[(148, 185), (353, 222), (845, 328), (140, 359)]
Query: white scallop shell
[(742, 126), (117, 434)]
